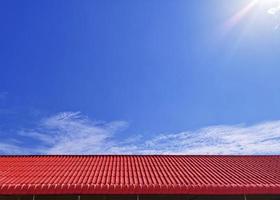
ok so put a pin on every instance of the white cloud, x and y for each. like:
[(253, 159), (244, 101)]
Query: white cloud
[(274, 10), (73, 133), (263, 138), (11, 149)]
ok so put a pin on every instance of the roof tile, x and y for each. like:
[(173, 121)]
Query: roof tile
[(154, 174)]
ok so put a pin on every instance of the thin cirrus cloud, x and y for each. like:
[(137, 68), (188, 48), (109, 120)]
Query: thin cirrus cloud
[(275, 12), (74, 133)]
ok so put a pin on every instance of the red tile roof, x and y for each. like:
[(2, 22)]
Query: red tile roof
[(140, 174)]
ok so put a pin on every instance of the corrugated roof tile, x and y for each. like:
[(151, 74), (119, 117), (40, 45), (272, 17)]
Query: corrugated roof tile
[(155, 174)]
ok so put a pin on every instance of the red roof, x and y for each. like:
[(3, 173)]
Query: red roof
[(140, 174)]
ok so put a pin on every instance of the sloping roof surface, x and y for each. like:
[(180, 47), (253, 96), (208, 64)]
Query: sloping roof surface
[(139, 174)]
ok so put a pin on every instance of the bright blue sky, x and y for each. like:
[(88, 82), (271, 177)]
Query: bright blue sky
[(160, 66)]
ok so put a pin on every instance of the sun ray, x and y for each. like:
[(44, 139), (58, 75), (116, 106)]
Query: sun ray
[(241, 14)]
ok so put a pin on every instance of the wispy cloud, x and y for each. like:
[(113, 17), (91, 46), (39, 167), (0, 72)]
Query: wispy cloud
[(275, 12), (73, 133), (11, 149), (263, 138)]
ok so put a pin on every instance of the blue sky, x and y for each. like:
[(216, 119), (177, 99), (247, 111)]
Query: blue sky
[(174, 76)]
